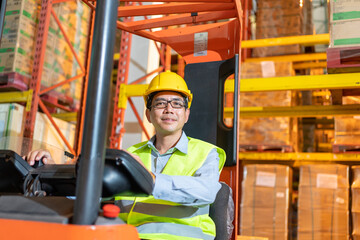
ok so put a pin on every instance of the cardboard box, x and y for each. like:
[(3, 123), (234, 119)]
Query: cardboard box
[(321, 235), (18, 40), (272, 130), (45, 135), (265, 201), (330, 176), (342, 33), (323, 201), (344, 10), (278, 4), (347, 130), (355, 221), (250, 238), (323, 220), (324, 198)]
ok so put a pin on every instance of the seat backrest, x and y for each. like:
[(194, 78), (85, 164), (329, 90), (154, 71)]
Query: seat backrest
[(222, 213)]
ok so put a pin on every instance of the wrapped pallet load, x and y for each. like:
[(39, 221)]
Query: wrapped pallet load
[(282, 18), (265, 201), (266, 133), (323, 211)]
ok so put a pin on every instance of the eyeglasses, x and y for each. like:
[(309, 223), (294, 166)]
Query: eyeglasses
[(161, 104)]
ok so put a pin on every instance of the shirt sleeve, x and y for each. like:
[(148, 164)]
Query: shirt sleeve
[(199, 189)]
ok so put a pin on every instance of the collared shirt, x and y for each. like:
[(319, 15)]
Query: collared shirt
[(194, 190)]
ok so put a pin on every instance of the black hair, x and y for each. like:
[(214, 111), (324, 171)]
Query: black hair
[(151, 96)]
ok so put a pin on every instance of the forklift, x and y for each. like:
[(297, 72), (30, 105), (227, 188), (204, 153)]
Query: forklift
[(60, 201)]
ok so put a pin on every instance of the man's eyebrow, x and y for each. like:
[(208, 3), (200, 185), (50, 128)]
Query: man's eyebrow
[(163, 99)]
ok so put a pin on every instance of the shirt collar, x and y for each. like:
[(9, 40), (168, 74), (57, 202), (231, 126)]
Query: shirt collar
[(181, 145)]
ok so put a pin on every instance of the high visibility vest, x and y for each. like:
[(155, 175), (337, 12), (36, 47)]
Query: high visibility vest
[(164, 220)]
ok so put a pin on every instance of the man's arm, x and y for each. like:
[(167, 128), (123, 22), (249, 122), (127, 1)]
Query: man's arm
[(194, 190)]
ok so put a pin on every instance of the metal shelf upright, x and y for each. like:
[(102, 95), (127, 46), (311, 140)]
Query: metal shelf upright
[(46, 13)]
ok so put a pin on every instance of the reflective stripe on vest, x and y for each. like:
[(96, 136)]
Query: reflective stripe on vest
[(170, 231), (141, 211)]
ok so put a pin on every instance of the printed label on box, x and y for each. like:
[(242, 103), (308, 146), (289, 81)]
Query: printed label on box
[(200, 44), (326, 181), (265, 179), (268, 69), (340, 200), (280, 195)]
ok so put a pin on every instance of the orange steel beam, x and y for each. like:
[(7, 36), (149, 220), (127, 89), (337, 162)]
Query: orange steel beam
[(43, 107), (89, 4), (61, 83), (180, 19), (138, 118), (167, 58), (142, 33), (222, 47), (162, 58), (35, 81), (67, 40), (118, 119), (172, 8), (139, 80), (81, 113), (59, 106)]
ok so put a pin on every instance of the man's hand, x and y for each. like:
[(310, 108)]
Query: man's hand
[(37, 155), (137, 158)]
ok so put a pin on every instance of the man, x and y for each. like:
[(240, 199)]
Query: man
[(186, 170)]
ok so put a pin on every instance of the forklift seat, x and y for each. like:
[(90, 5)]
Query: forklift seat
[(222, 213)]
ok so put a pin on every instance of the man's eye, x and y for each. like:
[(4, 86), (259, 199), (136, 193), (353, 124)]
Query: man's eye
[(160, 104), (177, 103)]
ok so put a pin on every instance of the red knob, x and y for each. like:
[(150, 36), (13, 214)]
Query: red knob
[(111, 210)]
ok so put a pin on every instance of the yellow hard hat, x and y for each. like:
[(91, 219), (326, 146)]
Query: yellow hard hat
[(168, 81)]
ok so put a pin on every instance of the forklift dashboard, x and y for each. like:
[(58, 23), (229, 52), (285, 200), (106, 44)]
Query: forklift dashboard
[(122, 175)]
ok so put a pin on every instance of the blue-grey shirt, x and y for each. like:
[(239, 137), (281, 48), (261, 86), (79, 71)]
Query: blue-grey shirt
[(194, 190)]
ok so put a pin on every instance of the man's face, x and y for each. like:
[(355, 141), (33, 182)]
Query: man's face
[(168, 120)]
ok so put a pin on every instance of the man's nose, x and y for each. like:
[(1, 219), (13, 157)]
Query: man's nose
[(168, 106)]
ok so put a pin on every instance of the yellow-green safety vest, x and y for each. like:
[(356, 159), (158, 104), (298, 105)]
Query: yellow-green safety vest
[(159, 219)]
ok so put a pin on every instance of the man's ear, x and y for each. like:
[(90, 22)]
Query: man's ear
[(147, 113), (187, 114)]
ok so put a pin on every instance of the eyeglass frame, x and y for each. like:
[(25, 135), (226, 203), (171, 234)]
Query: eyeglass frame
[(183, 103), (151, 96)]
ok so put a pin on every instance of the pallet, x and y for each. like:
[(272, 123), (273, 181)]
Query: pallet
[(348, 148), (265, 148), (54, 99), (13, 82), (343, 60)]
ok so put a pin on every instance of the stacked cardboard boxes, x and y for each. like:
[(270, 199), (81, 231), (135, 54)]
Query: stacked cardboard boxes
[(265, 201), (18, 43), (45, 135), (323, 211), (18, 39), (271, 131), (281, 18), (60, 63), (344, 18), (355, 203), (347, 130)]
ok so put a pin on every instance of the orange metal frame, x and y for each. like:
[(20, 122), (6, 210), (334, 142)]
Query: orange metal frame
[(35, 83), (20, 229)]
